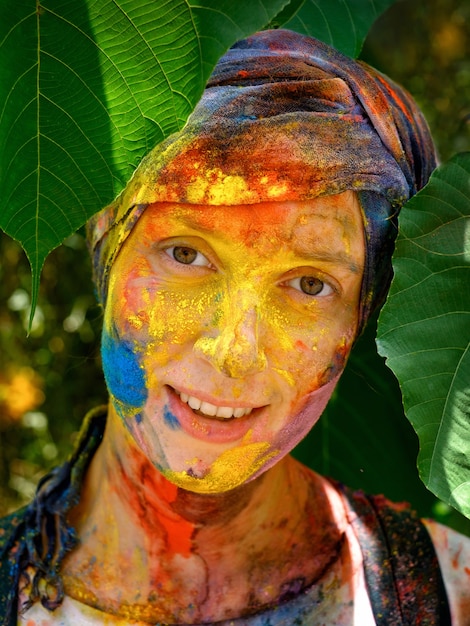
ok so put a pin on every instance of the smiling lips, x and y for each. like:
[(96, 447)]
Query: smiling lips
[(211, 410)]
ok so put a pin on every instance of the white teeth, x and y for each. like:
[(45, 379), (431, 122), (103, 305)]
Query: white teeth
[(208, 408), (225, 412), (194, 403)]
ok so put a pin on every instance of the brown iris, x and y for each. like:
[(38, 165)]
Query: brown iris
[(184, 255), (311, 285)]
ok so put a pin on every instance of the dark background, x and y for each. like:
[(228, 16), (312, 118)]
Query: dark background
[(49, 380)]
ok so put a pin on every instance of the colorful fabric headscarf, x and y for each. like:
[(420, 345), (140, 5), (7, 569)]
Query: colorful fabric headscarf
[(285, 117)]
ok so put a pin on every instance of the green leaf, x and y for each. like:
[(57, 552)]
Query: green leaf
[(284, 16), (343, 24), (87, 89), (424, 328)]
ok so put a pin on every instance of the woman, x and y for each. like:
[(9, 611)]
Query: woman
[(235, 272)]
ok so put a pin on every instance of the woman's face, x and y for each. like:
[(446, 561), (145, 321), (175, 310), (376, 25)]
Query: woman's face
[(226, 329)]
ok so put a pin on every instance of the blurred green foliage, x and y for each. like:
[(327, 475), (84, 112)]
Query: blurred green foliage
[(49, 380), (425, 46)]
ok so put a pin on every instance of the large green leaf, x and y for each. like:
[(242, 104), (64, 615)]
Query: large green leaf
[(87, 88), (424, 328), (343, 24)]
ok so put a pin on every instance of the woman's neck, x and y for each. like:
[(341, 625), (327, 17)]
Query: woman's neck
[(161, 553)]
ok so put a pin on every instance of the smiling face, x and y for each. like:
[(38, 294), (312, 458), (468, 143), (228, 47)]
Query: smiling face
[(226, 329)]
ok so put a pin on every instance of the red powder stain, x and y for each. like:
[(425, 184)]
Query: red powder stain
[(150, 499), (467, 570), (301, 346), (179, 531), (179, 534), (168, 491), (243, 74)]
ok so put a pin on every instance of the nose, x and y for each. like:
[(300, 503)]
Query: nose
[(235, 350)]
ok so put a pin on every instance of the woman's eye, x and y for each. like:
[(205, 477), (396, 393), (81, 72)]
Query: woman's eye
[(311, 286), (187, 256)]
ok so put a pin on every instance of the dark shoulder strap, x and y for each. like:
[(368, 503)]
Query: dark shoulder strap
[(402, 572)]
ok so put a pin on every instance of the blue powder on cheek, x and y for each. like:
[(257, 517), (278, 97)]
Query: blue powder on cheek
[(124, 376), (170, 419)]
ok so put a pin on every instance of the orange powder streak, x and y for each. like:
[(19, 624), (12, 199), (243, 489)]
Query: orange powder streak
[(152, 506), (179, 531)]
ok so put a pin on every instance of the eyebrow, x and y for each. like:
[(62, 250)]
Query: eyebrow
[(338, 258), (193, 222)]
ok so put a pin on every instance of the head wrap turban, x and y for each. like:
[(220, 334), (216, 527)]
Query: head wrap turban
[(285, 117)]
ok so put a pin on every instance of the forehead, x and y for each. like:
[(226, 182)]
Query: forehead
[(320, 221)]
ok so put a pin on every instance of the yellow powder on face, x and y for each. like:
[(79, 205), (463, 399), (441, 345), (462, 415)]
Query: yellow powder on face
[(288, 377), (138, 321), (174, 318), (125, 411), (274, 318), (231, 469)]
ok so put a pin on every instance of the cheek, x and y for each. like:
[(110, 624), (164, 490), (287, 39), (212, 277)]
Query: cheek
[(124, 375), (337, 361), (165, 321), (164, 318), (133, 303), (308, 351), (303, 420)]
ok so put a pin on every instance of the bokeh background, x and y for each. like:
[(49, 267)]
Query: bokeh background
[(49, 380)]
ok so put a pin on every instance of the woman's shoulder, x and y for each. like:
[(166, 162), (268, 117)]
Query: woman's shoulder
[(394, 535), (403, 575), (453, 552)]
